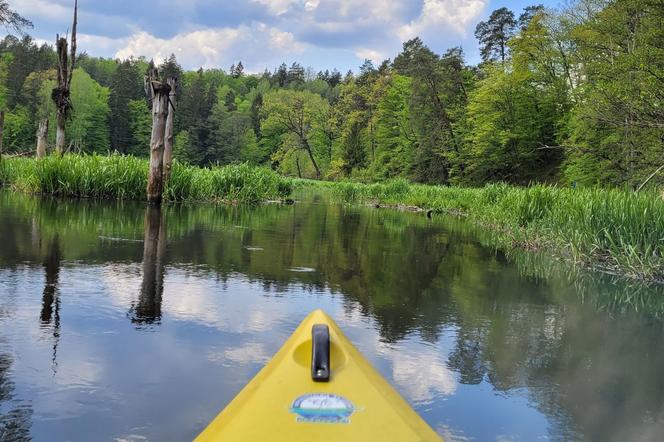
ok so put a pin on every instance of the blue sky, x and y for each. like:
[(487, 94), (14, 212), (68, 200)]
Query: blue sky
[(323, 34)]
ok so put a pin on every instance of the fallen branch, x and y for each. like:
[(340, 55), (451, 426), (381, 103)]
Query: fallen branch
[(652, 175)]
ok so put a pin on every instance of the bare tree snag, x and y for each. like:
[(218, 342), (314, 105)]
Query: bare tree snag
[(61, 94), (42, 134), (168, 138), (159, 93)]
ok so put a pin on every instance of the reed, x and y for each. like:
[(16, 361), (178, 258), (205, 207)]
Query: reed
[(619, 231), (125, 177)]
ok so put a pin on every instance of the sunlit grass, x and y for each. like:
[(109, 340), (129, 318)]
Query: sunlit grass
[(125, 177)]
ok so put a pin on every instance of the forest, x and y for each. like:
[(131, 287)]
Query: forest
[(572, 96)]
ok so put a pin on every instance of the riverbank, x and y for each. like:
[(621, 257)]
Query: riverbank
[(125, 177), (615, 231)]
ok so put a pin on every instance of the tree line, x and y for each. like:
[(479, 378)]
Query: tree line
[(572, 95)]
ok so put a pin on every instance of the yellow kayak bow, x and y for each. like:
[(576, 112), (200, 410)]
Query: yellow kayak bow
[(318, 387)]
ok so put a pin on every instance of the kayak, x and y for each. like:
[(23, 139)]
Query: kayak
[(318, 387)]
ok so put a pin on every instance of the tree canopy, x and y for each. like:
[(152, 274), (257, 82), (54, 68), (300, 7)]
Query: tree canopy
[(572, 95)]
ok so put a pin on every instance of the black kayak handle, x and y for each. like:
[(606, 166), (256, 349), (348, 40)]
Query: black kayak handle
[(320, 353)]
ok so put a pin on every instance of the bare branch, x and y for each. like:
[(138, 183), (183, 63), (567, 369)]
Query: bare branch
[(73, 43), (12, 20), (659, 169)]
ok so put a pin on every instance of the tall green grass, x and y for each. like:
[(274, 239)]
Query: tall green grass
[(617, 230), (125, 177)]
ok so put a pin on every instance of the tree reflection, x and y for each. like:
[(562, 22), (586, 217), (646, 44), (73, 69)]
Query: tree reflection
[(582, 348), (148, 308), (50, 300), (50, 310), (15, 417)]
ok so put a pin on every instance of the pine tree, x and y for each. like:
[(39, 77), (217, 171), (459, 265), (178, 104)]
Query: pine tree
[(126, 85), (494, 34), (431, 110), (335, 78), (280, 76), (295, 74), (237, 71)]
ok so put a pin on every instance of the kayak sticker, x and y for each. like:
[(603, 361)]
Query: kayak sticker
[(323, 408)]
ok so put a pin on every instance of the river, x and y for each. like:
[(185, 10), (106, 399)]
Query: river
[(121, 322)]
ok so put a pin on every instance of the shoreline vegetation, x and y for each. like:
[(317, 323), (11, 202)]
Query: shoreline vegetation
[(125, 177), (611, 230)]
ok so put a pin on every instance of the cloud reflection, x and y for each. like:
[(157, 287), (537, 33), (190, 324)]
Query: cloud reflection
[(250, 353)]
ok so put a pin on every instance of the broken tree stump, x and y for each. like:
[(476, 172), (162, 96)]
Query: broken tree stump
[(61, 93), (169, 137), (159, 93), (42, 136)]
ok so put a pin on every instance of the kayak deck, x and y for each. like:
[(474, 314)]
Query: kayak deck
[(283, 403)]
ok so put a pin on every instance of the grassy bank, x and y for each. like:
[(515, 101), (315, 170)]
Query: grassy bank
[(125, 177), (615, 230)]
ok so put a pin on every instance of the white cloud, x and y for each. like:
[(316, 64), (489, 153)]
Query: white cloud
[(311, 5), (97, 44), (444, 14), (195, 48), (277, 7), (44, 9), (422, 375), (419, 371), (323, 33), (258, 46), (375, 56), (250, 353)]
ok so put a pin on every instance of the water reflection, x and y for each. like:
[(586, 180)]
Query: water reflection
[(15, 417), (148, 308), (50, 311), (536, 349)]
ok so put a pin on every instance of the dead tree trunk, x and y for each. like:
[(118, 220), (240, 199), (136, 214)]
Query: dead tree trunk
[(61, 93), (159, 93), (42, 134), (168, 137)]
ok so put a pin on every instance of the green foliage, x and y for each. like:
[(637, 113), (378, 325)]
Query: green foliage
[(569, 96), (394, 133), (293, 122), (612, 229), (615, 130), (509, 121), (88, 128), (250, 151), (140, 124), (181, 147), (125, 177), (126, 86), (228, 128), (17, 129), (436, 92), (102, 70), (494, 34), (93, 176), (5, 60)]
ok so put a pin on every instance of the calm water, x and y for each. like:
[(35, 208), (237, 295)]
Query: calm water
[(118, 322)]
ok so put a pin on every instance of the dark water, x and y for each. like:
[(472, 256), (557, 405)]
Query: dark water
[(121, 323)]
